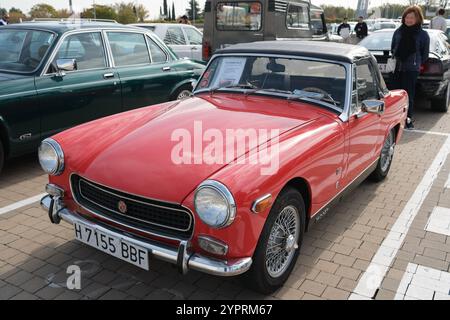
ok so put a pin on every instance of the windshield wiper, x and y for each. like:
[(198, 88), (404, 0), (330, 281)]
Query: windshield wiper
[(233, 86), (313, 95)]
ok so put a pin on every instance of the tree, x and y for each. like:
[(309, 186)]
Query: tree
[(3, 11), (101, 12), (173, 12), (16, 15), (193, 4), (141, 12), (125, 13), (42, 10), (165, 11), (62, 13)]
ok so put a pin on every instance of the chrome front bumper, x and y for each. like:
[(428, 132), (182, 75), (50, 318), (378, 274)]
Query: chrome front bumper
[(179, 256)]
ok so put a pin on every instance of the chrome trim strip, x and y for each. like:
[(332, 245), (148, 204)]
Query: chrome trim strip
[(161, 251), (96, 214), (132, 200), (257, 201)]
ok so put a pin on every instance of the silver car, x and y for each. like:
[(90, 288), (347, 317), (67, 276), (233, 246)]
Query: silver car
[(184, 40)]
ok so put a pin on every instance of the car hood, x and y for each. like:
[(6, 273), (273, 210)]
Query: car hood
[(139, 151)]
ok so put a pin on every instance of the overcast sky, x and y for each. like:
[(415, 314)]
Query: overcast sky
[(153, 5)]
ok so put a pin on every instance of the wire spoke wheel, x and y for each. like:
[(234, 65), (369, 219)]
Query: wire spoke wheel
[(184, 94), (387, 152), (283, 241)]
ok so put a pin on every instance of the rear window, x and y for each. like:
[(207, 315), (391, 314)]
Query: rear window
[(239, 16)]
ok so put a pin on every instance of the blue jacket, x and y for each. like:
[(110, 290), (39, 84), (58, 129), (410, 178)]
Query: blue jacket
[(413, 62)]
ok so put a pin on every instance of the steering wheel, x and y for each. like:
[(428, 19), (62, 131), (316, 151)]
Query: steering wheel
[(316, 90)]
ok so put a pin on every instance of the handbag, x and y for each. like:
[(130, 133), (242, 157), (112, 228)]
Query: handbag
[(391, 65)]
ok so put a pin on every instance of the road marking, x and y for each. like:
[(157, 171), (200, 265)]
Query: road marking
[(423, 283), (21, 203), (371, 279), (439, 221), (428, 132)]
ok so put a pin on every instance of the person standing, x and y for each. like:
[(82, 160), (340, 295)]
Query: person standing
[(361, 28), (344, 31), (410, 47), (4, 20), (439, 22)]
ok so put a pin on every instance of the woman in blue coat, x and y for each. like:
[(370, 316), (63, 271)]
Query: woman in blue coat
[(410, 47)]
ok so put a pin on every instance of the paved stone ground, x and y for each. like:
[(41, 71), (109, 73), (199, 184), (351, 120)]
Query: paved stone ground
[(34, 254)]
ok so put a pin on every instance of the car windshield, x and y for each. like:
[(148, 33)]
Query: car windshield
[(23, 50), (294, 78), (378, 41)]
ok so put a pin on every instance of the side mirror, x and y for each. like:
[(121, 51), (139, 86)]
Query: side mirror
[(68, 65), (373, 106)]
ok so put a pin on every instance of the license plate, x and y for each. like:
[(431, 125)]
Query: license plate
[(112, 245), (382, 67)]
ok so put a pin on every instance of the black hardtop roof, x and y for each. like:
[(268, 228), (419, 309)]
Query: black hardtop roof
[(314, 49)]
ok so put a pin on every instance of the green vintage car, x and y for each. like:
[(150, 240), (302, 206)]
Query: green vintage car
[(55, 75)]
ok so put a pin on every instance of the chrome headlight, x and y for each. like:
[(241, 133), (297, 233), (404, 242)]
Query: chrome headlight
[(214, 204), (51, 157)]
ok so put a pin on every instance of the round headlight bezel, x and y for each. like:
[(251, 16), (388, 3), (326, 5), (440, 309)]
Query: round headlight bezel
[(222, 191), (59, 157)]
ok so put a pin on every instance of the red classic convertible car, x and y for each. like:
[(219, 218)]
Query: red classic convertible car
[(227, 181)]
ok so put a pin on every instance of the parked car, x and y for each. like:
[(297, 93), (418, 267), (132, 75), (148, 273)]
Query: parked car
[(184, 40), (237, 21), (54, 75), (433, 80), (134, 190)]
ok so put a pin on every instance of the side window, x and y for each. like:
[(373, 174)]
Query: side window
[(297, 17), (175, 36), (128, 48), (194, 37), (157, 54), (86, 48), (366, 82)]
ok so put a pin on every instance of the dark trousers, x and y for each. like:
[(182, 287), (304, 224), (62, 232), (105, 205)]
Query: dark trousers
[(407, 81)]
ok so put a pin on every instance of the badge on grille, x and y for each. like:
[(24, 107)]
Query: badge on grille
[(122, 206)]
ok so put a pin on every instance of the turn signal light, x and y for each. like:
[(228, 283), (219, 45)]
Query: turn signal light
[(213, 246), (262, 203)]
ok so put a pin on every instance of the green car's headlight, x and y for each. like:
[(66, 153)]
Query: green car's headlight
[(51, 157), (214, 204)]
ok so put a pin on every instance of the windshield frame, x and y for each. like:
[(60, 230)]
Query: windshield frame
[(44, 58), (344, 115)]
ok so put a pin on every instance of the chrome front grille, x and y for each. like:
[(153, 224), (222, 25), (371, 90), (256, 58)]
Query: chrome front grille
[(165, 219)]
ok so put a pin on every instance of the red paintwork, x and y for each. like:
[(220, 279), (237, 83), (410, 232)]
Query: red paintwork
[(132, 152)]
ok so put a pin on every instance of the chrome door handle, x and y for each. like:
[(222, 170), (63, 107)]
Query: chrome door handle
[(194, 48), (166, 69), (108, 75)]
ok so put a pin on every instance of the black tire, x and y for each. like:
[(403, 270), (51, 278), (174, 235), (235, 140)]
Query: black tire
[(441, 104), (2, 156), (258, 276), (186, 89), (382, 169)]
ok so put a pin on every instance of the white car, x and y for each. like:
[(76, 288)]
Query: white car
[(185, 40)]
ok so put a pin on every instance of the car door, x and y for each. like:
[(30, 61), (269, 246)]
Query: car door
[(145, 79), (176, 40), (87, 93), (364, 129), (194, 38)]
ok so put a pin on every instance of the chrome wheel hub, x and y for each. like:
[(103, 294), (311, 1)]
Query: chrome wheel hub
[(183, 94), (282, 241)]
